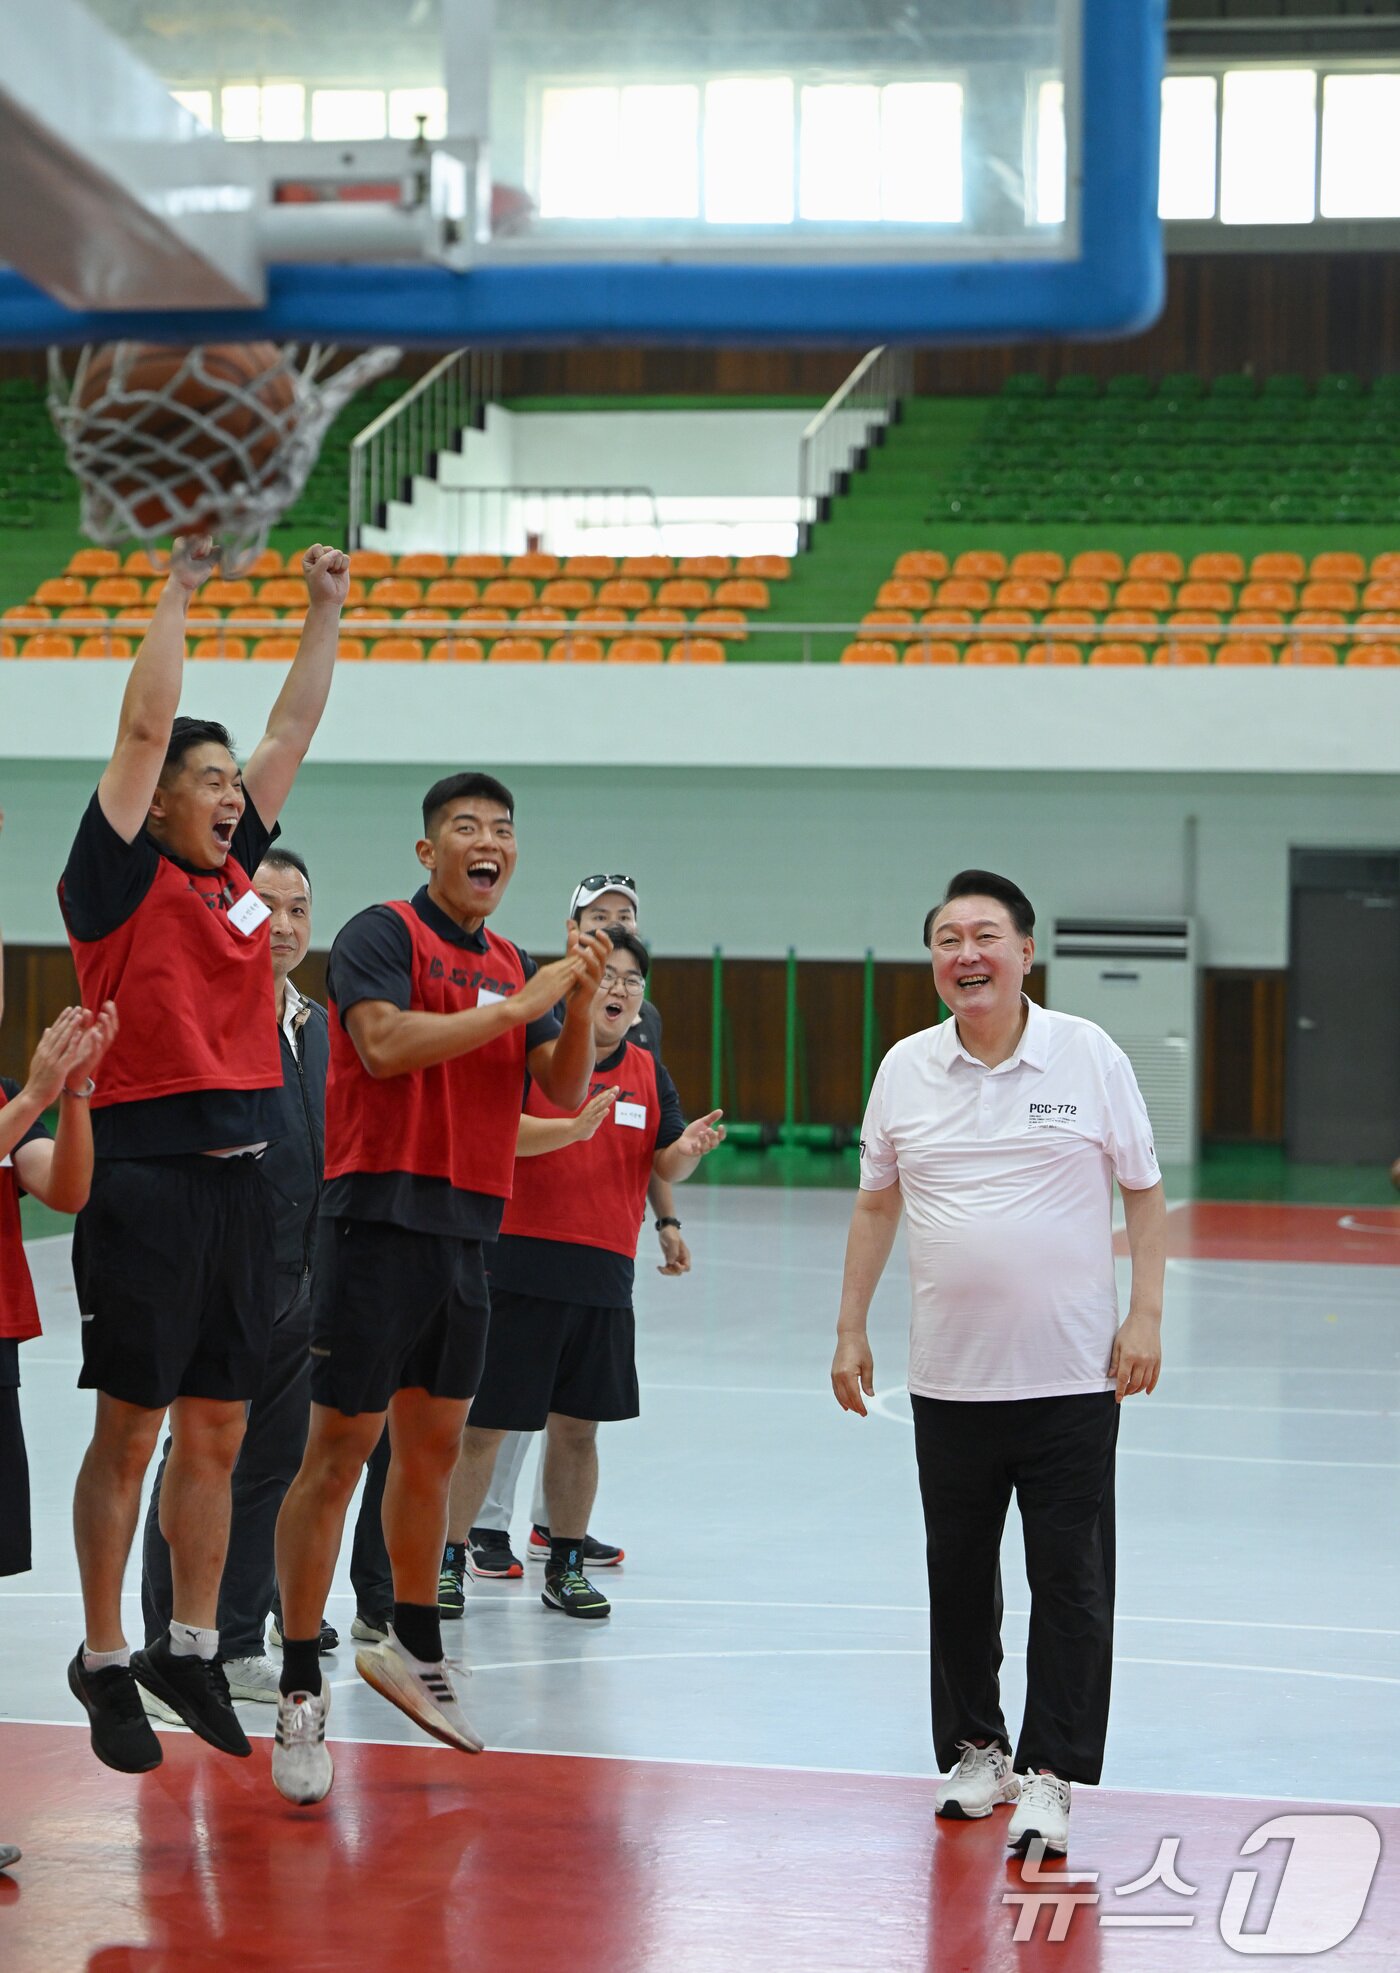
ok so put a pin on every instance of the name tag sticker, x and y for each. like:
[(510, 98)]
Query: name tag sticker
[(634, 1115), (485, 997), (248, 914), (1053, 1116)]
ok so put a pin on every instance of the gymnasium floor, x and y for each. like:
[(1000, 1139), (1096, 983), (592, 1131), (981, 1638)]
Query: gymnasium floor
[(734, 1771)]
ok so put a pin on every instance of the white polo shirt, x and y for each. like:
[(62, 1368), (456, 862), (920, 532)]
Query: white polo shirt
[(1007, 1180)]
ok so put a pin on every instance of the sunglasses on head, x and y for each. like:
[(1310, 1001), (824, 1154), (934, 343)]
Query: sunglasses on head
[(603, 882)]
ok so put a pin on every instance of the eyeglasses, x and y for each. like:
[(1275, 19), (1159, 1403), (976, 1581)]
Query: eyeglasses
[(604, 882), (623, 982)]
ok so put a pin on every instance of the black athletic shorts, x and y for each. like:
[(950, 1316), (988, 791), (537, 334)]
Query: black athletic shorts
[(393, 1310), (555, 1356), (14, 1467), (173, 1264)]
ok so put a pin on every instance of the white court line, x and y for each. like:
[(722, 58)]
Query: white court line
[(1351, 1225), (928, 1774)]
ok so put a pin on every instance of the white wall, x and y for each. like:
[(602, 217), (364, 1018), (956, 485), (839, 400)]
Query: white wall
[(755, 860)]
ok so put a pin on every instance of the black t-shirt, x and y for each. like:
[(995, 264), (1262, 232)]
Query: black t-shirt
[(9, 1345), (104, 884), (562, 1271), (372, 959)]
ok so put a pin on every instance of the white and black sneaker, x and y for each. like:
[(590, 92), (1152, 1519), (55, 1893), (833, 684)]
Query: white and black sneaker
[(424, 1692), (302, 1768), (982, 1780), (1042, 1814)]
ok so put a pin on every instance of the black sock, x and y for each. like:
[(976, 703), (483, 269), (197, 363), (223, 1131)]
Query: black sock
[(301, 1665), (565, 1553), (418, 1628)]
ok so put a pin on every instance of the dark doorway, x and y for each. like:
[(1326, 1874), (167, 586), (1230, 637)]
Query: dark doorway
[(1344, 1007)]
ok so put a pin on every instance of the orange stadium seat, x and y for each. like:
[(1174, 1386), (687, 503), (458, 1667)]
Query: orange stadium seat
[(1205, 596), (480, 568), (349, 649), (1269, 595), (870, 654), (1155, 565), (1074, 623), (509, 592), (139, 562), (542, 613), (94, 561), (626, 591), (538, 566), (22, 613), (106, 646), (1001, 619), (1139, 625), (1318, 619), (1054, 654), (1202, 623), (1098, 564), (1374, 654), (1382, 593), (456, 650), (451, 592), (1251, 620), (971, 592), (484, 613), (947, 613), (426, 566), (709, 568), (154, 589), (987, 562), (391, 592), (8, 647), (517, 650), (1337, 565), (280, 650), (886, 623), (1082, 592), (422, 613), (1217, 565), (767, 568), (1117, 654), (136, 615), (688, 593), (1308, 651), (932, 651), (366, 562), (724, 622), (221, 647), (746, 592), (569, 592), (635, 651), (697, 651), (250, 613), (1329, 593), (1143, 593), (1277, 565), (929, 563), (1245, 651), (289, 592), (576, 651), (1185, 653), (268, 562), (992, 652), (904, 593), (1039, 564), (396, 650), (1386, 567), (1024, 592), (49, 644), (1377, 622), (666, 615), (650, 568), (60, 589), (591, 568), (602, 613), (83, 612), (220, 591)]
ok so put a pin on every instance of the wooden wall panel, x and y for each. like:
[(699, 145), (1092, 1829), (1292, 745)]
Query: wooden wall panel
[(1242, 1056)]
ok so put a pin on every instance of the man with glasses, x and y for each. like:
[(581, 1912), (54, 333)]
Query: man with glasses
[(560, 1352), (598, 903)]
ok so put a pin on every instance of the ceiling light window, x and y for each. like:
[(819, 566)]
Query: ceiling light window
[(348, 116), (407, 105), (1361, 147), (658, 151), (748, 151), (283, 112), (921, 145), (1048, 189), (578, 153), (240, 112), (199, 103), (1268, 147), (1186, 187), (840, 161)]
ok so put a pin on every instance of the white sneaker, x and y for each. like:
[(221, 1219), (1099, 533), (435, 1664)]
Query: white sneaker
[(252, 1678), (424, 1692), (982, 1779), (156, 1709), (302, 1768), (1043, 1812)]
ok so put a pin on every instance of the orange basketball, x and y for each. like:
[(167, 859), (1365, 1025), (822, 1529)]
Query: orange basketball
[(194, 420)]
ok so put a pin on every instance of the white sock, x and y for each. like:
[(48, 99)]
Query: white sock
[(189, 1641), (98, 1661)]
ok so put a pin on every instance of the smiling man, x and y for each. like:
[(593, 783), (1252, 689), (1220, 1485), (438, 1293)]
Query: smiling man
[(1000, 1133), (434, 1022), (172, 1256)]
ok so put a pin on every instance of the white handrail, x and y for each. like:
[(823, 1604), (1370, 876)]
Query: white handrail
[(864, 404), (407, 437)]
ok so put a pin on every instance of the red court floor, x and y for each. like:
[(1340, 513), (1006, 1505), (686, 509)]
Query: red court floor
[(428, 1862), (1213, 1230)]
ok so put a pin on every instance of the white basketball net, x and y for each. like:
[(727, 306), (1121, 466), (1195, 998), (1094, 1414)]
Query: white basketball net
[(149, 464)]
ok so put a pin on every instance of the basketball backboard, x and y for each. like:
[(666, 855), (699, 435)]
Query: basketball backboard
[(833, 170)]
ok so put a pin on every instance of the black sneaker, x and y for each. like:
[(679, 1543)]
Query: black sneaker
[(598, 1554), (197, 1690), (121, 1733), (570, 1590), (489, 1554), (328, 1640), (452, 1599), (372, 1626)]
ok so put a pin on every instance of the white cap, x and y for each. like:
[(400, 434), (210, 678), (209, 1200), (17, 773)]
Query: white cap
[(596, 887)]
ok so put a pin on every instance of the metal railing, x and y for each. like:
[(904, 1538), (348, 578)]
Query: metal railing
[(407, 437), (860, 409), (506, 520)]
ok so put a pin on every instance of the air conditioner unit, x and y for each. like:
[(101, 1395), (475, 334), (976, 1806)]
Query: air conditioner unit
[(1139, 980)]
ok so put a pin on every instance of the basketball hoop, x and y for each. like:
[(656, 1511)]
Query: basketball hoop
[(215, 440)]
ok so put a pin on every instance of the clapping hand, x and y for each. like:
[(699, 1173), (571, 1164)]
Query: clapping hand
[(702, 1136)]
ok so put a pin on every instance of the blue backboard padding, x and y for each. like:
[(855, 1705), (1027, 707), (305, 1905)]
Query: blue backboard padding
[(1114, 286)]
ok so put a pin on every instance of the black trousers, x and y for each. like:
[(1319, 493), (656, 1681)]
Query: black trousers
[(268, 1460), (1057, 1456)]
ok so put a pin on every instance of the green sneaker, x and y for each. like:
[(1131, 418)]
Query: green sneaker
[(570, 1590), (452, 1599)]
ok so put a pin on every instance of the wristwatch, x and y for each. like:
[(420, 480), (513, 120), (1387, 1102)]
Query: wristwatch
[(667, 1221)]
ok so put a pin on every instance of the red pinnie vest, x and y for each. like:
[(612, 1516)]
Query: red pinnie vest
[(19, 1312), (456, 1120), (194, 994), (593, 1194)]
